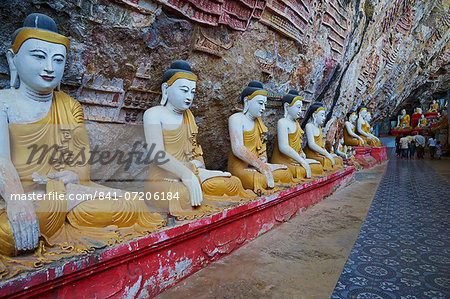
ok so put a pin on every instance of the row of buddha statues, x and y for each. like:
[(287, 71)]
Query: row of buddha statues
[(418, 119), (35, 112)]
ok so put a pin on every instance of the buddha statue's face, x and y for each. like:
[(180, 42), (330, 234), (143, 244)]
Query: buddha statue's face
[(363, 113), (403, 112), (295, 111), (368, 117), (40, 64), (181, 93), (353, 118), (256, 105), (319, 117)]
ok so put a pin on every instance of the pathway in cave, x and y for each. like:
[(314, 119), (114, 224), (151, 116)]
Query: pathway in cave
[(302, 258), (403, 249)]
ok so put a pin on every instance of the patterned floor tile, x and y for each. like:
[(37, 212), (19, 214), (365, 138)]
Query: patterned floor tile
[(403, 249)]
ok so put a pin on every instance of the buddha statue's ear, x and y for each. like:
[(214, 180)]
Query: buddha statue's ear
[(286, 105), (246, 104), (14, 77), (164, 88)]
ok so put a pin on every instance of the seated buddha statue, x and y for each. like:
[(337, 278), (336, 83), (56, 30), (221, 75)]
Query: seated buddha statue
[(422, 122), (350, 137), (248, 157), (368, 129), (434, 106), (33, 115), (403, 121), (288, 147), (341, 149), (363, 127), (315, 148), (172, 129)]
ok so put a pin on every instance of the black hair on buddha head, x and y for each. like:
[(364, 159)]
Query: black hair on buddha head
[(313, 108), (350, 113), (177, 67), (36, 21), (362, 106), (251, 87), (290, 96)]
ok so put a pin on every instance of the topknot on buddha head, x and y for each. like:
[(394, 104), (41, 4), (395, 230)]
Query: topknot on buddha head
[(253, 89), (179, 69), (291, 97), (38, 26)]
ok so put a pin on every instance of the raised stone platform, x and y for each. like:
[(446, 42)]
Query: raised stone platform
[(369, 156), (144, 267)]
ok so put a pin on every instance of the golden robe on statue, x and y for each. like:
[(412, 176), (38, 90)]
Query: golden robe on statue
[(405, 123), (254, 141), (370, 141), (89, 225), (350, 140), (326, 163), (182, 144), (295, 142)]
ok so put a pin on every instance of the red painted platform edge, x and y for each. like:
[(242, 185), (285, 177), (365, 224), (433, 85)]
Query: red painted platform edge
[(79, 270)]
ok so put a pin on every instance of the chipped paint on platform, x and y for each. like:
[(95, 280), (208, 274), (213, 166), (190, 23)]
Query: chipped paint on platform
[(131, 292)]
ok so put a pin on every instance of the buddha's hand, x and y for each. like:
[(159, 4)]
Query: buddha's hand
[(307, 168), (265, 170), (66, 176), (191, 182), (24, 224), (274, 167), (205, 174), (331, 158)]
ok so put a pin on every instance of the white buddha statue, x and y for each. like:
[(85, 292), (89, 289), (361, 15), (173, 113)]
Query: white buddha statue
[(403, 121), (374, 139), (434, 106), (288, 147), (350, 137), (172, 129), (363, 128), (315, 148), (36, 114), (248, 156), (341, 149)]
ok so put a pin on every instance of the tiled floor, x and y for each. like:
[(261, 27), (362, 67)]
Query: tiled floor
[(403, 248)]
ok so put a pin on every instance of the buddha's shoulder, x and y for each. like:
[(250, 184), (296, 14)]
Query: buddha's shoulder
[(154, 113), (238, 116), (284, 122), (309, 126)]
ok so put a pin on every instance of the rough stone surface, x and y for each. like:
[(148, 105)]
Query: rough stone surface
[(386, 53)]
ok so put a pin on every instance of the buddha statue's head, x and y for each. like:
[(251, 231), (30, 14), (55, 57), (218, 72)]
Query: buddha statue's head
[(368, 116), (403, 113), (316, 114), (37, 55), (352, 116), (419, 110), (362, 111), (178, 87), (254, 98), (292, 103)]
